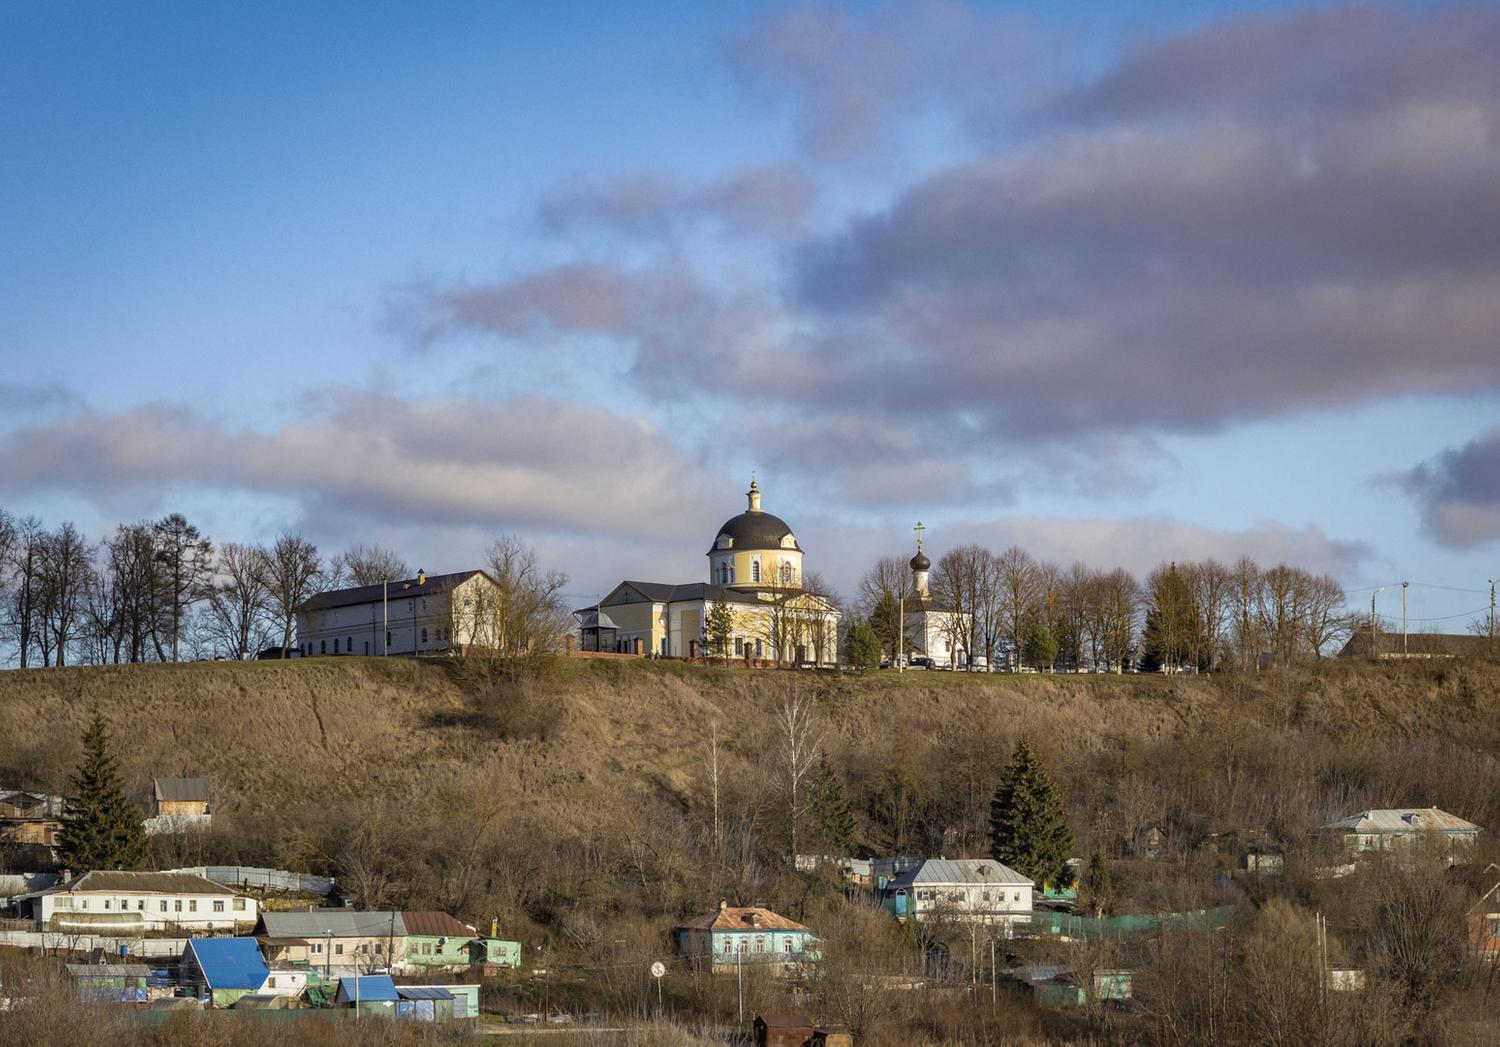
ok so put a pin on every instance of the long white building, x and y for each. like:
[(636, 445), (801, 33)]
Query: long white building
[(428, 614), (114, 902)]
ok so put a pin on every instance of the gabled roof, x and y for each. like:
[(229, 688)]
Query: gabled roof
[(181, 790), (230, 963), (108, 970), (783, 1021), (961, 870), (435, 925), (117, 881), (1403, 820), (340, 923), (367, 988), (662, 592), (405, 589), (742, 918)]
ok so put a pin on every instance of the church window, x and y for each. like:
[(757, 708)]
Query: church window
[(739, 646), (424, 634), (335, 645), (349, 646), (759, 650), (323, 647), (755, 570)]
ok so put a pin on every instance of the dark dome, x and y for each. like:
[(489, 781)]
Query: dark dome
[(755, 530), (920, 562)]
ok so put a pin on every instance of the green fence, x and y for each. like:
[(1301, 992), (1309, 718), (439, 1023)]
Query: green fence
[(1146, 923)]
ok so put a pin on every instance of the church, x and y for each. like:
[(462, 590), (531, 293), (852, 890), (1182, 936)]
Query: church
[(753, 606), (933, 631)]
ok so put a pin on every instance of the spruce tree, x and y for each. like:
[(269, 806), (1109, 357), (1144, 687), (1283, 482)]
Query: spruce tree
[(101, 828), (830, 810), (1028, 828)]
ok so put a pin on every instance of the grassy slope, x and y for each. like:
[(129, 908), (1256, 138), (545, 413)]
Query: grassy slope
[(274, 735)]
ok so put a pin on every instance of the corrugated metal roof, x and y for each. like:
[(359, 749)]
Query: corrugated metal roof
[(108, 970), (737, 918), (368, 988), (960, 870), (423, 992), (1403, 820), (405, 589), (230, 963), (118, 882), (181, 790), (341, 923), (435, 925)]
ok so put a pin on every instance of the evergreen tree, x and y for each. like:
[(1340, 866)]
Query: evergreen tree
[(831, 813), (101, 828), (1028, 829), (864, 646), (719, 625), (1101, 884), (1041, 648)]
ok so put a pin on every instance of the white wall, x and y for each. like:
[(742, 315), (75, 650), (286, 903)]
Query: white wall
[(188, 911)]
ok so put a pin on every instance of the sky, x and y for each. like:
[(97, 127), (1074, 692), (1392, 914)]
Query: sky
[(1116, 282)]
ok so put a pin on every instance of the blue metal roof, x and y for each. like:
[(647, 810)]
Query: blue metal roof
[(423, 992), (373, 988), (230, 963)]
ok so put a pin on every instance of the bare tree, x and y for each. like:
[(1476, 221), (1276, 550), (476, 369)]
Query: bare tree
[(1120, 597), (519, 621), (63, 581), (293, 574), (1246, 582), (1211, 584), (238, 610), (1017, 574), (186, 560), (881, 592), (131, 563), (959, 575), (799, 741), (371, 565), (26, 568)]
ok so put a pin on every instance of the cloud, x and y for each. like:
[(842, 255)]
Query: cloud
[(526, 463), (856, 75), (1458, 491), (36, 397), (773, 200)]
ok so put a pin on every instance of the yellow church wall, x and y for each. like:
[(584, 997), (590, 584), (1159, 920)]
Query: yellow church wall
[(743, 558), (638, 619)]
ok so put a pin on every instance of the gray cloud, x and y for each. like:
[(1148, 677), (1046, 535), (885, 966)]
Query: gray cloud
[(1458, 491), (530, 462), (773, 200)]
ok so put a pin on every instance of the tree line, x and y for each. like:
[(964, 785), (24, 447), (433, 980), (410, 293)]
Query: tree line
[(160, 590), (1012, 607)]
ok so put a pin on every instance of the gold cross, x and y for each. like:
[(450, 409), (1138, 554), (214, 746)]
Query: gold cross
[(919, 529)]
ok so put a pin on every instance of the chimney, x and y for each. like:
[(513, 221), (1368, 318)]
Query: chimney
[(421, 576), (723, 904)]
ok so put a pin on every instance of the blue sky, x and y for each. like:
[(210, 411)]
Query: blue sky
[(1120, 283)]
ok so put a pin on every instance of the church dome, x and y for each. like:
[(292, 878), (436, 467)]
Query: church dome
[(920, 562), (754, 529)]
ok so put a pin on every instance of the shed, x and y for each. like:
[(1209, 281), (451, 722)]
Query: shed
[(114, 982), (782, 1030), (368, 992), (227, 967), (832, 1038), (425, 1003)]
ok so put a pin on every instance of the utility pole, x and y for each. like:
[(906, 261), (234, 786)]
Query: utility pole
[(385, 617), (1403, 619), (1492, 610), (1373, 653)]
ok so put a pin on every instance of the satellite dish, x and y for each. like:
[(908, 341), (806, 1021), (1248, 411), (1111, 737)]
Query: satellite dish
[(658, 969)]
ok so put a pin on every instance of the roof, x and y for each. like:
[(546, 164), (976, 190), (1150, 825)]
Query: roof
[(369, 988), (181, 790), (268, 1001), (117, 881), (784, 1021), (423, 992), (230, 963), (593, 618), (662, 592), (755, 529), (1404, 820), (1419, 644), (340, 923), (742, 918), (108, 970), (960, 870), (266, 939), (405, 589), (435, 925)]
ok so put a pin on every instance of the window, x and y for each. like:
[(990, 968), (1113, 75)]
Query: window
[(739, 646), (424, 634), (193, 905), (755, 570), (786, 946), (759, 649), (218, 906), (349, 645), (367, 647), (239, 905), (83, 903), (317, 948), (335, 645), (163, 904), (388, 641), (140, 905), (177, 905), (760, 944), (338, 950), (744, 946), (106, 903), (323, 646)]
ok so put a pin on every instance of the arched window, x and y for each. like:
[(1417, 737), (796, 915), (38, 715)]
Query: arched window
[(755, 570)]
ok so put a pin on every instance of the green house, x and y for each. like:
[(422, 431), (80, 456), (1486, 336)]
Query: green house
[(495, 952), (436, 940)]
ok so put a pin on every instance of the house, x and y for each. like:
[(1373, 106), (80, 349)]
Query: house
[(111, 901), (1403, 828), (368, 994), (732, 935), (436, 941), (110, 982), (1058, 986), (330, 938), (970, 890), (31, 818), (223, 969), (494, 952), (1424, 646), (178, 805), (428, 614), (755, 572)]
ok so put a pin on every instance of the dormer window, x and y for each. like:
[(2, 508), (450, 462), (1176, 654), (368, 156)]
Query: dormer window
[(724, 542), (789, 541)]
